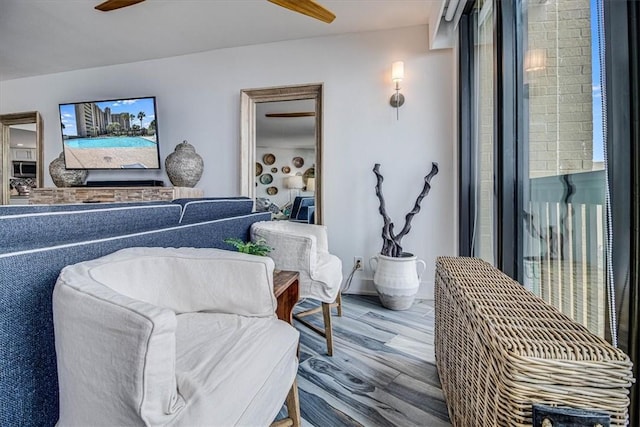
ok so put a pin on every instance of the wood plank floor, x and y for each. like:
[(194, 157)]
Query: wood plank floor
[(382, 372)]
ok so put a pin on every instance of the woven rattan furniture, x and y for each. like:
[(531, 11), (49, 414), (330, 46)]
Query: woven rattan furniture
[(499, 349)]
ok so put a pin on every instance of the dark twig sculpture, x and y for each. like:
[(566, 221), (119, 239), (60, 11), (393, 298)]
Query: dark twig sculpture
[(390, 241)]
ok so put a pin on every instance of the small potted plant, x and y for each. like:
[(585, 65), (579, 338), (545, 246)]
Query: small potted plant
[(259, 247), (395, 272)]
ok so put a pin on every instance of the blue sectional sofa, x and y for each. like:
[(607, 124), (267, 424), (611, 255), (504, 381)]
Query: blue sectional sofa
[(207, 209), (303, 209), (36, 242)]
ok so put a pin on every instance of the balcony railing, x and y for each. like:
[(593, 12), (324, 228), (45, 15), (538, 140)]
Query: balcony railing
[(564, 258)]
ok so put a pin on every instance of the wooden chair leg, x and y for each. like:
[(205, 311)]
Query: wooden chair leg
[(326, 315), (328, 332), (293, 408), (339, 301), (293, 404)]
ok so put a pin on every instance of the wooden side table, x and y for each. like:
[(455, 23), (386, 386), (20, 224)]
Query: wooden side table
[(285, 287)]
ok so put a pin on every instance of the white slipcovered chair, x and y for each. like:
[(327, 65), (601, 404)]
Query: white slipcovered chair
[(305, 248), (175, 337)]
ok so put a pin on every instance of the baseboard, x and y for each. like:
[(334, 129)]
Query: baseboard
[(366, 287)]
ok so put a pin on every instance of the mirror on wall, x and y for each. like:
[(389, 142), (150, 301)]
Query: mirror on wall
[(21, 159), (281, 147)]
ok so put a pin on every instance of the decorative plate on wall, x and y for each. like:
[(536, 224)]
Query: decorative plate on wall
[(258, 169), (309, 173), (286, 169), (274, 170), (272, 191), (266, 178), (269, 159), (298, 162)]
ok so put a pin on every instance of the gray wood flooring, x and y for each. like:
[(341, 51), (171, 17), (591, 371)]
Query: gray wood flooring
[(382, 372)]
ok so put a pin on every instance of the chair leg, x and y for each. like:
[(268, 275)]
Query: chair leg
[(339, 301), (307, 312), (293, 404), (328, 332), (293, 408), (326, 316)]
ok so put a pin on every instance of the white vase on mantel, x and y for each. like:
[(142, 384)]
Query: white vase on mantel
[(397, 279)]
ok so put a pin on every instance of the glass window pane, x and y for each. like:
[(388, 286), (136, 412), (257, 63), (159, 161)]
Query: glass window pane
[(483, 237), (564, 242)]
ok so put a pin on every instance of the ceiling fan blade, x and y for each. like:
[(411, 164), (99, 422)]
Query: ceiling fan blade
[(116, 4), (300, 114), (307, 7)]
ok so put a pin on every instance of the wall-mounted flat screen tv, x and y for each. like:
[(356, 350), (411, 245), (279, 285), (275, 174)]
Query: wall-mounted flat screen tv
[(110, 134)]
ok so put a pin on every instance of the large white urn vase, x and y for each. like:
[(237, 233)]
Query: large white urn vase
[(397, 279)]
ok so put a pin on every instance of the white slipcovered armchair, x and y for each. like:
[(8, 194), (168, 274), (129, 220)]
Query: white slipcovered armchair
[(177, 337), (305, 248)]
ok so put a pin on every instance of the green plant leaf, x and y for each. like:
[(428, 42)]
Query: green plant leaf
[(259, 247)]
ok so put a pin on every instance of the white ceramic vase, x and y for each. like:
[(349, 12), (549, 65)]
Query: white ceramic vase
[(397, 279)]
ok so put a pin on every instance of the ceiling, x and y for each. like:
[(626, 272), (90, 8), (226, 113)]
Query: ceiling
[(22, 136), (285, 132), (50, 36)]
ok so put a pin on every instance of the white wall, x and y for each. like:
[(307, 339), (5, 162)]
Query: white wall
[(198, 100)]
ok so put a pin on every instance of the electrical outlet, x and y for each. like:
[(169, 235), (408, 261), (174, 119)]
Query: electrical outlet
[(357, 261)]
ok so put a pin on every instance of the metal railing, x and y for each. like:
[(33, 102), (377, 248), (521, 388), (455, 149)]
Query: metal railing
[(564, 260)]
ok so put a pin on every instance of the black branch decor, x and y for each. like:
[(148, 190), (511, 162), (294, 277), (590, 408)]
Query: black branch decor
[(390, 241)]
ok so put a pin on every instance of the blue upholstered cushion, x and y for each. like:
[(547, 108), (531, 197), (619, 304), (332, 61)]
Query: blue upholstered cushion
[(207, 209), (311, 215), (300, 208), (37, 230), (28, 377)]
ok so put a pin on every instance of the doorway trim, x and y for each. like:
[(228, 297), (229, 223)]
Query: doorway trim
[(248, 100), (6, 121)]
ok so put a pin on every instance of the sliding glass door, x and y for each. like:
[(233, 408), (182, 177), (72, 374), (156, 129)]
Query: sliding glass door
[(537, 150), (549, 115), (564, 213)]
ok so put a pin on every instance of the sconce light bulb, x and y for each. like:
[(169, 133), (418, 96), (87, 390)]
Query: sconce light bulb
[(397, 71)]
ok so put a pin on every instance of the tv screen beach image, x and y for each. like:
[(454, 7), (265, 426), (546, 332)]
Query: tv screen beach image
[(115, 134)]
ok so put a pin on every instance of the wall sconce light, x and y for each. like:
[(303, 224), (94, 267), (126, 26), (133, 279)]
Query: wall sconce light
[(535, 60), (397, 74)]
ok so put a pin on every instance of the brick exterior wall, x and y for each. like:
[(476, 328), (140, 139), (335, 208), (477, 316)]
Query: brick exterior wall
[(560, 93)]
